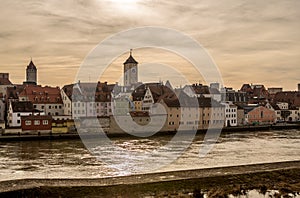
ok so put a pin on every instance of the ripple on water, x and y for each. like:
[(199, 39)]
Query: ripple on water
[(70, 159)]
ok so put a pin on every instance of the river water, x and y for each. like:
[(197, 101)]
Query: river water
[(70, 158)]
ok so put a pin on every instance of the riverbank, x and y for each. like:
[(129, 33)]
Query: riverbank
[(65, 136), (216, 182)]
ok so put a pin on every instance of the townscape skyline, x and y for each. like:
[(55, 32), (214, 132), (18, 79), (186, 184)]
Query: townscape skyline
[(251, 41), (120, 82)]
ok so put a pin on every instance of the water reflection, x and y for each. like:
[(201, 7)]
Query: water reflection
[(70, 159)]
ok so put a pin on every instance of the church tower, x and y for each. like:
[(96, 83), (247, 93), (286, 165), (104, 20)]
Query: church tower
[(31, 74), (130, 71)]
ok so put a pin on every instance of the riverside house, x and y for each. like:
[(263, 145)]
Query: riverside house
[(36, 123), (257, 115), (18, 109)]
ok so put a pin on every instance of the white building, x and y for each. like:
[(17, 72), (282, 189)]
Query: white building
[(122, 104), (148, 100), (67, 102), (285, 113), (18, 109), (230, 114), (87, 99)]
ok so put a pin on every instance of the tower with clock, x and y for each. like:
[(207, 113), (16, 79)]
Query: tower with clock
[(130, 71)]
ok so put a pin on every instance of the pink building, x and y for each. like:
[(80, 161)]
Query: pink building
[(260, 115)]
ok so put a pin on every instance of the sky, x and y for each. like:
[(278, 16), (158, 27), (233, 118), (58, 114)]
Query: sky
[(250, 41)]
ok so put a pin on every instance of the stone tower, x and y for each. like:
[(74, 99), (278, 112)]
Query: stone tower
[(31, 74), (130, 71)]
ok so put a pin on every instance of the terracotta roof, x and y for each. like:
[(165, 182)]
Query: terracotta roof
[(34, 117), (290, 97), (186, 101), (158, 90), (98, 92), (13, 92), (260, 91), (248, 108), (43, 95), (23, 106), (5, 81), (208, 102), (200, 89)]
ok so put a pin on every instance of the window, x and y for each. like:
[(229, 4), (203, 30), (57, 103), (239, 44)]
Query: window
[(49, 106), (28, 122), (18, 121), (36, 122), (45, 122), (18, 115)]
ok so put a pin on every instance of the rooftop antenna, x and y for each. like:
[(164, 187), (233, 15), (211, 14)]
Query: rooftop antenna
[(130, 52)]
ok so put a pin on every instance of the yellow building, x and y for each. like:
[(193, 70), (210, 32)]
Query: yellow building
[(63, 126)]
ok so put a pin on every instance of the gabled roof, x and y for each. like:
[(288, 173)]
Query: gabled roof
[(246, 88), (158, 90), (291, 97), (208, 102), (13, 92), (4, 79), (39, 94), (98, 92), (200, 89), (185, 101), (23, 106)]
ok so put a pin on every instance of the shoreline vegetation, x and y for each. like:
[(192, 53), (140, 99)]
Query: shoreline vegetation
[(65, 136), (283, 177)]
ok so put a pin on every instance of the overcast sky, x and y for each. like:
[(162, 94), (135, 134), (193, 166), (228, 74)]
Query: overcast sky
[(251, 41)]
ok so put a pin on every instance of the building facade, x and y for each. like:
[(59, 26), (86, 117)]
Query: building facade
[(230, 114), (46, 99), (36, 123), (18, 109), (260, 115)]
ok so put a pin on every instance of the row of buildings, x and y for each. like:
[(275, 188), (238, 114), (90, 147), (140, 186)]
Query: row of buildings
[(32, 107)]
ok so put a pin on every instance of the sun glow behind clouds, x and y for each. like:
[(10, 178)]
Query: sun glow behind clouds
[(125, 5)]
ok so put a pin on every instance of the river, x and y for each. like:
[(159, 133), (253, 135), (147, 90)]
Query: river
[(70, 158)]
